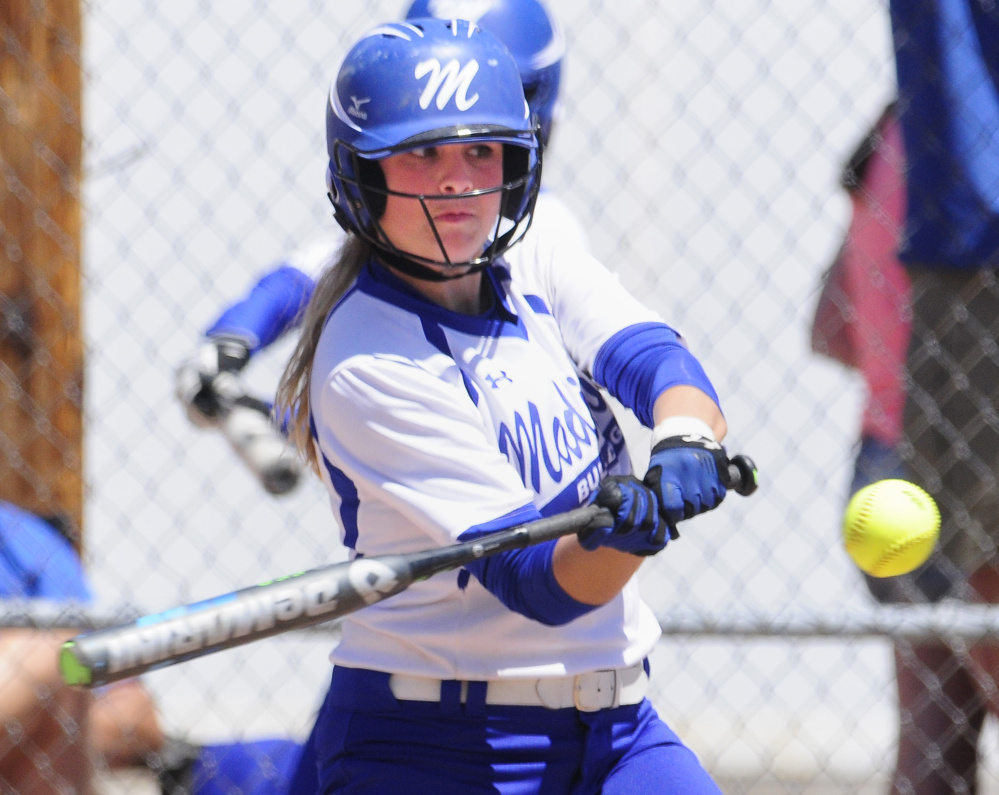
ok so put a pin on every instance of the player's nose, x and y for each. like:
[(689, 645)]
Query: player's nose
[(455, 171)]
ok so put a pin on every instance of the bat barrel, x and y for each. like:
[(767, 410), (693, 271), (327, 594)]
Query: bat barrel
[(251, 614)]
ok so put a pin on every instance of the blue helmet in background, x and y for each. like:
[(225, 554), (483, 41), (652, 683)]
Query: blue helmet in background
[(531, 35), (427, 82)]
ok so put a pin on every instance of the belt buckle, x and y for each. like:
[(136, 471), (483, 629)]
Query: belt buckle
[(595, 690)]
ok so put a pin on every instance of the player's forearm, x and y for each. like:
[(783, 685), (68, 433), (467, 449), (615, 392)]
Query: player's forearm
[(689, 401), (273, 306), (643, 362), (593, 578), (524, 580)]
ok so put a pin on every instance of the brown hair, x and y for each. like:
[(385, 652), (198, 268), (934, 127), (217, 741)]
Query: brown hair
[(293, 390)]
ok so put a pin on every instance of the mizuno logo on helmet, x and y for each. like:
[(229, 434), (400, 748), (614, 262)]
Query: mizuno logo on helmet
[(355, 108), (447, 81)]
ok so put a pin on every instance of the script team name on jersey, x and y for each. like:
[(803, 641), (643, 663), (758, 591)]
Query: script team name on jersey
[(533, 442)]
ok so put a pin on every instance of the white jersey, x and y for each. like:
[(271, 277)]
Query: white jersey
[(431, 422)]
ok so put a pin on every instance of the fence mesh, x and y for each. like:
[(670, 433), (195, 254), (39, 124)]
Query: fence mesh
[(700, 144)]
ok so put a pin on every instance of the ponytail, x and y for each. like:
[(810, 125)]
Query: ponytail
[(292, 399)]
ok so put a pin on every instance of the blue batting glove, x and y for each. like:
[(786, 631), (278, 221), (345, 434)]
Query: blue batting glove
[(688, 474), (639, 527)]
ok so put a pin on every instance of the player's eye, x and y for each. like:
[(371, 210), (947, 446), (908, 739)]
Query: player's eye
[(485, 151), (424, 152)]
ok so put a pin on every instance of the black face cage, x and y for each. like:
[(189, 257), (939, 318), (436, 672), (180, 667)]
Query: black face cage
[(366, 196)]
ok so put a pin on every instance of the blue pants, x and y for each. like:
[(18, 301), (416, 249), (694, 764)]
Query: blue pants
[(368, 742)]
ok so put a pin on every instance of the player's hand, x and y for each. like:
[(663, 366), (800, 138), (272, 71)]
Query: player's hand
[(208, 378), (688, 473), (639, 526)]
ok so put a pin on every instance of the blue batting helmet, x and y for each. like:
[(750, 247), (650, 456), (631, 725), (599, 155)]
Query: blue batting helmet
[(427, 82), (530, 33)]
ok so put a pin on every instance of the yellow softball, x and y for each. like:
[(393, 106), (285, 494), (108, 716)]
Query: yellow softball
[(890, 527)]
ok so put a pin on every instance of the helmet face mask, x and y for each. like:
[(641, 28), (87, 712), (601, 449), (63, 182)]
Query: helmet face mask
[(419, 84), (370, 193)]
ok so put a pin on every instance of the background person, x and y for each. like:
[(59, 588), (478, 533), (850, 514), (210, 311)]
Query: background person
[(863, 320), (947, 64), (51, 733), (54, 737)]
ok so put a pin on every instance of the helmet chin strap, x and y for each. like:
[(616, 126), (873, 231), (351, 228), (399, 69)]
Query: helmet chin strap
[(422, 272), (400, 262), (417, 270), (393, 256)]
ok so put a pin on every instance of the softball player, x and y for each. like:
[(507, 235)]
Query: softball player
[(443, 391), (274, 305)]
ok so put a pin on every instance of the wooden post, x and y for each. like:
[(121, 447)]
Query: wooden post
[(41, 348)]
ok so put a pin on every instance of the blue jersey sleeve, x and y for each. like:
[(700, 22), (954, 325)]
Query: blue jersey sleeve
[(36, 562), (641, 362), (273, 306), (524, 579)]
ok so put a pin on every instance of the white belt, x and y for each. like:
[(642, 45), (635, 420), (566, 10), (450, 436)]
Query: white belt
[(587, 692)]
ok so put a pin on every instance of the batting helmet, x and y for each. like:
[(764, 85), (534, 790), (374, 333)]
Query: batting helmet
[(421, 83)]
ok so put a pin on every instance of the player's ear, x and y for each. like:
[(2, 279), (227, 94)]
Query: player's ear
[(373, 186), (330, 187), (516, 165), (331, 194)]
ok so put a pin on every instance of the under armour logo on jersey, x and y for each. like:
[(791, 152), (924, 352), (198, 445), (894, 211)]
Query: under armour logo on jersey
[(495, 381), (447, 81), (355, 108), (472, 10)]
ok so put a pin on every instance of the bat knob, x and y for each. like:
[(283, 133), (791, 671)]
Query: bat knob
[(264, 450), (281, 476), (742, 475)]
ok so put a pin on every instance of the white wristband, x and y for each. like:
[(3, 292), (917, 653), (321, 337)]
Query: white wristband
[(681, 426)]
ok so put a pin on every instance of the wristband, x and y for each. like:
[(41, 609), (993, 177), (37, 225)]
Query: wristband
[(682, 426)]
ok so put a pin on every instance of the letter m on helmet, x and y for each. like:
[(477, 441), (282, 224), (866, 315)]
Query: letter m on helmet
[(445, 82)]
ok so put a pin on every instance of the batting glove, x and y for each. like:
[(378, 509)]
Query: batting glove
[(207, 379), (687, 469), (639, 527)]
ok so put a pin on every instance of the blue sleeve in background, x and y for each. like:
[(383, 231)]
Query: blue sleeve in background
[(257, 767), (524, 579), (273, 306), (947, 65), (36, 561), (641, 362)]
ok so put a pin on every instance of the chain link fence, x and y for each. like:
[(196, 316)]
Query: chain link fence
[(701, 145)]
